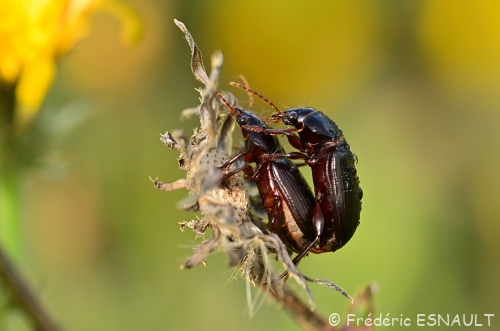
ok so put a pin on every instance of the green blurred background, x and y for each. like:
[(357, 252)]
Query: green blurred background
[(414, 85)]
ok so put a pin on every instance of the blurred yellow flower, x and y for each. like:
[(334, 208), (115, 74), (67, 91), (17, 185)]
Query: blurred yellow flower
[(34, 33), (461, 40)]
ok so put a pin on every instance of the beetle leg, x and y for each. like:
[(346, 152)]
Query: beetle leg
[(304, 252), (245, 169), (318, 218), (254, 128), (297, 259), (248, 171), (233, 159), (301, 164), (318, 223), (292, 156), (293, 139), (270, 119), (296, 156)]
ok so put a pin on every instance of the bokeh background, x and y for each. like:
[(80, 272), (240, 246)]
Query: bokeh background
[(415, 87)]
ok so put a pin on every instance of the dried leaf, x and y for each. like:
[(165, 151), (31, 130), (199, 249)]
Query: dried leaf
[(196, 60)]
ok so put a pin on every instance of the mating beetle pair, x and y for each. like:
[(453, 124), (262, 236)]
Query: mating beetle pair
[(304, 223)]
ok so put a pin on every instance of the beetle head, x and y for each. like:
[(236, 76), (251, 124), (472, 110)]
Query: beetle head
[(294, 116), (245, 117)]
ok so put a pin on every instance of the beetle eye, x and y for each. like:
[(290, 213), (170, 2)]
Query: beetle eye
[(290, 118), (242, 120)]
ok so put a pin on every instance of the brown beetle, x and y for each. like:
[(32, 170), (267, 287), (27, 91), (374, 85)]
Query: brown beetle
[(338, 194)]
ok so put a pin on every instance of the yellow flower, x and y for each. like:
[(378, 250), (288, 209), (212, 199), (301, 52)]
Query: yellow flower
[(34, 33)]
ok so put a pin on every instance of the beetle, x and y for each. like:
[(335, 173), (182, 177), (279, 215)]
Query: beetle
[(285, 194), (337, 192)]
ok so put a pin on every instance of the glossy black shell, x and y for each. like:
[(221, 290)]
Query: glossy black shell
[(334, 174)]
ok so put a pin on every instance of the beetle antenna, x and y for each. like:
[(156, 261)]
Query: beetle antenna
[(250, 94), (269, 102), (226, 103)]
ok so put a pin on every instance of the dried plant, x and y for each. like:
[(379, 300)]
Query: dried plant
[(237, 230)]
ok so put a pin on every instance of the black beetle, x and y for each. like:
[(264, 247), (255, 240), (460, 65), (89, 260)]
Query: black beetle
[(338, 194), (284, 192)]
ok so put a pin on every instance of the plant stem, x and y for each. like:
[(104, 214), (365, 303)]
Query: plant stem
[(23, 296), (10, 216), (10, 178), (298, 310)]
